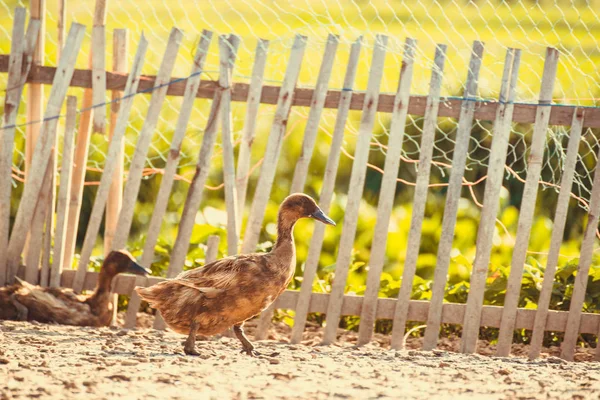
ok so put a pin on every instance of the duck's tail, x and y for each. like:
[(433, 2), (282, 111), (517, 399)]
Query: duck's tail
[(150, 294)]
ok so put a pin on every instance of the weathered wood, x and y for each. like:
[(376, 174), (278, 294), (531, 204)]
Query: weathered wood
[(527, 208), (63, 193), (316, 242), (99, 78), (560, 219), (493, 184), (271, 156), (43, 149), (22, 47), (586, 253), (212, 249), (164, 192), (61, 26), (314, 115), (136, 166), (355, 190), (308, 143), (253, 101), (453, 313), (113, 151), (49, 219), (115, 193), (388, 191), (227, 53), (449, 107)]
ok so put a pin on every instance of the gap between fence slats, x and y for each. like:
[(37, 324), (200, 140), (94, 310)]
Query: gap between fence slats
[(227, 54), (560, 219), (166, 184), (493, 184), (355, 190), (461, 150), (387, 194), (63, 192), (43, 150), (534, 169), (97, 212), (316, 242), (249, 129)]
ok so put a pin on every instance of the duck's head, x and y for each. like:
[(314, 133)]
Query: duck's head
[(120, 261), (299, 205)]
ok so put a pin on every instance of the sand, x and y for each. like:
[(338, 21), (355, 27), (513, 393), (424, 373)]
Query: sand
[(62, 362)]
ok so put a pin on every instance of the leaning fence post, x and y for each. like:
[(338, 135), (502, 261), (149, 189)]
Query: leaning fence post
[(99, 67), (355, 191)]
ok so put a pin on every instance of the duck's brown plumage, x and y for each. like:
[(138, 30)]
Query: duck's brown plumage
[(229, 291), (23, 301)]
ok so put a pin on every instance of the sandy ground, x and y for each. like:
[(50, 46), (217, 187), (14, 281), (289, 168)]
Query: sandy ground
[(52, 362)]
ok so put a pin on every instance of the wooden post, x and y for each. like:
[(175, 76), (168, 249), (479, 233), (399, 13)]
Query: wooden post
[(162, 199), (267, 171), (99, 66), (227, 54), (136, 167), (212, 249), (355, 190), (314, 115), (253, 100), (82, 145), (115, 194), (62, 18), (113, 151), (63, 193), (534, 170), (558, 230), (461, 150), (22, 48), (316, 242), (43, 150), (493, 184)]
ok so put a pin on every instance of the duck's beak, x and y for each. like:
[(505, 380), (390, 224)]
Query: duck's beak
[(320, 216), (137, 269)]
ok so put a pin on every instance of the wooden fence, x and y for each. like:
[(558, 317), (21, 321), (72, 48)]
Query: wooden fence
[(35, 215)]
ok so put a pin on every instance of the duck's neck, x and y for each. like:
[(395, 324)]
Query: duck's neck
[(284, 246), (101, 296)]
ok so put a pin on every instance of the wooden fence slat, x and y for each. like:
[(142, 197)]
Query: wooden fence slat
[(316, 242), (254, 94), (43, 149), (355, 190), (387, 192), (212, 249), (61, 26), (136, 167), (308, 144), (461, 150), (486, 110), (314, 115), (586, 253), (22, 47), (113, 151), (115, 194), (227, 54), (49, 220), (271, 155), (63, 193), (527, 209), (166, 184), (82, 143), (560, 219), (99, 77), (493, 184)]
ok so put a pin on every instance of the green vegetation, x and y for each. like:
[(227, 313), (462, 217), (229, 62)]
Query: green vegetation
[(528, 25)]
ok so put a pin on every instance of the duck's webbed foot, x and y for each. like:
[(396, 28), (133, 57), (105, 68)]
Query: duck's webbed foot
[(248, 347), (190, 344), (22, 311)]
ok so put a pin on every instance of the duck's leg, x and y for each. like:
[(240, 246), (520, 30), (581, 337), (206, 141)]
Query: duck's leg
[(248, 347), (190, 344), (22, 311)]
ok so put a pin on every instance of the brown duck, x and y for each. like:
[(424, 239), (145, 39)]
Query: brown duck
[(26, 302), (227, 292)]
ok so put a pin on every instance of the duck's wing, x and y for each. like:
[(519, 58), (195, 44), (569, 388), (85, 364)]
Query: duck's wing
[(222, 274)]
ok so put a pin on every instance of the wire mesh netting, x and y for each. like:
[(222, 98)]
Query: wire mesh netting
[(572, 28)]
